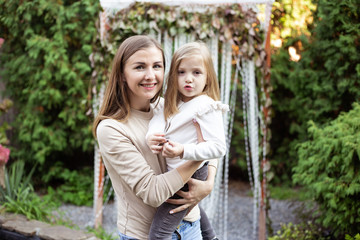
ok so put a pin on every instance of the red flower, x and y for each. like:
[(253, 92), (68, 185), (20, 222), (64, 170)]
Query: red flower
[(4, 154)]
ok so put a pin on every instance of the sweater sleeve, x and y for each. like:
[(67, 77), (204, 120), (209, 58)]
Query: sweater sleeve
[(210, 120), (122, 158)]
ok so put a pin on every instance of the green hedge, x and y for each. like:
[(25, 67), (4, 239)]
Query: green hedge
[(46, 68), (325, 82), (329, 165)]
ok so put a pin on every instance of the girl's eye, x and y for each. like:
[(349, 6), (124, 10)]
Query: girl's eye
[(197, 72), (180, 72)]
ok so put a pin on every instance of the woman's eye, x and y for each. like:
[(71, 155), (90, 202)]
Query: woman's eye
[(158, 66), (139, 67)]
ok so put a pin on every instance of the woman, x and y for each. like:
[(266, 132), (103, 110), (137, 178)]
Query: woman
[(139, 177)]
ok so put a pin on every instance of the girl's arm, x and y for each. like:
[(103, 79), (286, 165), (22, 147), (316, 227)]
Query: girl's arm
[(212, 129)]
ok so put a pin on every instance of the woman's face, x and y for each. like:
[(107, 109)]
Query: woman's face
[(144, 75)]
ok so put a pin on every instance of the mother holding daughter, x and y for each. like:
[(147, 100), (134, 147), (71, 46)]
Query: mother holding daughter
[(139, 177)]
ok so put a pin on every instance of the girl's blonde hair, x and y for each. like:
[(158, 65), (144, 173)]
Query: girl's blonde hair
[(172, 95), (116, 103)]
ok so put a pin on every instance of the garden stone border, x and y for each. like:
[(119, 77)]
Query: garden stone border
[(15, 226)]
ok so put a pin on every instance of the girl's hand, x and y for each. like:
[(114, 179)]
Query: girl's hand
[(156, 142), (173, 149)]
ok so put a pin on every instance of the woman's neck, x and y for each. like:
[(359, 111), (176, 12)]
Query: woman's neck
[(144, 107)]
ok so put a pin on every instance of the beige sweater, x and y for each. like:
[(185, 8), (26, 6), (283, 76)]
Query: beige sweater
[(135, 172)]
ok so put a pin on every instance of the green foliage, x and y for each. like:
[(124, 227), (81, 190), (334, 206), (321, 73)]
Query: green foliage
[(19, 196), (290, 18), (75, 187), (28, 203), (5, 105), (15, 180), (303, 231), (288, 193), (329, 164), (45, 64), (322, 84), (101, 234), (348, 237)]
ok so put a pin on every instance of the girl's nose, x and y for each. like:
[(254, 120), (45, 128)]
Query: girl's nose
[(188, 79)]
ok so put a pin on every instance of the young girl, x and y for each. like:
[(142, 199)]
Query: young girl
[(192, 94)]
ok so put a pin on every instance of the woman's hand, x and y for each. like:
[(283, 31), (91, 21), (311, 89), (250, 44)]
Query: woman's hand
[(198, 190), (156, 142)]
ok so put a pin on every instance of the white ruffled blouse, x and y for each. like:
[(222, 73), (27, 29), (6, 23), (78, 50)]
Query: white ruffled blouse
[(179, 128)]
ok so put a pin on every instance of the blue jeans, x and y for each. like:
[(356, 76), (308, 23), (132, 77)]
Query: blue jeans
[(186, 230), (124, 237)]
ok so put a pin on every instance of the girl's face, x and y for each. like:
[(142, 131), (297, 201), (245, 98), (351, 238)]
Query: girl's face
[(191, 77), (144, 75)]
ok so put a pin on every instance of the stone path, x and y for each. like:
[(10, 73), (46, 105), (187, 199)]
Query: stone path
[(14, 226)]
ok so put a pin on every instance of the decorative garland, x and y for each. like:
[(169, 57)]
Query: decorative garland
[(229, 22)]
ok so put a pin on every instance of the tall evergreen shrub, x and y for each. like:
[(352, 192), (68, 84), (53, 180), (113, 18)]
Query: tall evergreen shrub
[(329, 166), (45, 64), (325, 82)]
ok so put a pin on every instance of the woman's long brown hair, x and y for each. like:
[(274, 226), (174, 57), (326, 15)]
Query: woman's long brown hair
[(116, 104)]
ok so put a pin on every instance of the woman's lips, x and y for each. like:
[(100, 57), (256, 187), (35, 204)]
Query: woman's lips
[(148, 85)]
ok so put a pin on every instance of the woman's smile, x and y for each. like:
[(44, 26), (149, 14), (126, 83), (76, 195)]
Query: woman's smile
[(148, 86)]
